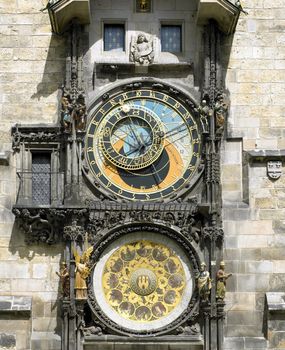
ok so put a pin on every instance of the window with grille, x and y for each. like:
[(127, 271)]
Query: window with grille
[(41, 178), (171, 38), (114, 37)]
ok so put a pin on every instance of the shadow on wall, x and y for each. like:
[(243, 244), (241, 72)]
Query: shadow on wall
[(40, 280), (53, 74)]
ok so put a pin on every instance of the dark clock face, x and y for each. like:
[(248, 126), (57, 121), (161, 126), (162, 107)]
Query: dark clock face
[(143, 145)]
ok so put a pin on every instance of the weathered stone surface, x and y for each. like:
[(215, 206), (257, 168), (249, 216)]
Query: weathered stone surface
[(15, 303), (275, 301), (7, 341), (255, 343)]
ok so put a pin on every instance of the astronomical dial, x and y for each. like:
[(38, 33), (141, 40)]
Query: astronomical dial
[(143, 145), (142, 284), (132, 138)]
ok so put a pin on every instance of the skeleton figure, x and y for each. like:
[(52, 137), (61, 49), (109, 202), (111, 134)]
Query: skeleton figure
[(205, 113), (82, 271)]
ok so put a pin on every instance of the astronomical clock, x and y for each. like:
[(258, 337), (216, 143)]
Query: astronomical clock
[(143, 157), (128, 180), (143, 145)]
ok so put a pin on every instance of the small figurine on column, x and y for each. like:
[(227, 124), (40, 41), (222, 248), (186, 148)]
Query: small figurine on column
[(63, 274), (221, 282), (82, 271), (204, 283)]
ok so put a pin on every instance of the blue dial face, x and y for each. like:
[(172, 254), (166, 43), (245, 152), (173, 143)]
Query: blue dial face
[(137, 135), (143, 145)]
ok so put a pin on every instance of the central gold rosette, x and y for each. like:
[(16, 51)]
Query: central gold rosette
[(143, 281)]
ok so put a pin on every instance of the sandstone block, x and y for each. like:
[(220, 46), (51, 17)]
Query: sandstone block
[(233, 343), (265, 203), (44, 324), (14, 270), (40, 271), (259, 267), (252, 241), (255, 343)]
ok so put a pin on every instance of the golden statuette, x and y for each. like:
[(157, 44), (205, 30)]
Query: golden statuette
[(82, 271)]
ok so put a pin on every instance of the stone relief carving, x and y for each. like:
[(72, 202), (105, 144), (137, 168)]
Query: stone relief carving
[(33, 135), (274, 169), (142, 49)]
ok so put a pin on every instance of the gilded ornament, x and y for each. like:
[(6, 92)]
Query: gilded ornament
[(82, 271), (148, 283), (221, 282)]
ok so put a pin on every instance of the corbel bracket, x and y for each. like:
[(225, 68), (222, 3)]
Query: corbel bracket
[(224, 12), (62, 12)]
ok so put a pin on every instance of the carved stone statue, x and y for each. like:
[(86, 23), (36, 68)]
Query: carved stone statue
[(73, 113), (92, 330), (66, 113), (205, 113), (63, 274), (221, 282), (79, 114), (204, 283), (142, 50), (221, 108), (82, 271)]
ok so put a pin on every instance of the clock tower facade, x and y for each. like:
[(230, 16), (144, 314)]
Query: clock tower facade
[(134, 162)]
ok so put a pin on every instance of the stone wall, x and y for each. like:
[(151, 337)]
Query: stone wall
[(254, 210), (31, 71)]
